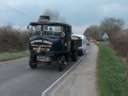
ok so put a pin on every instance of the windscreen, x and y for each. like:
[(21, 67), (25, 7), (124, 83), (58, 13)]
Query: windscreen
[(47, 30)]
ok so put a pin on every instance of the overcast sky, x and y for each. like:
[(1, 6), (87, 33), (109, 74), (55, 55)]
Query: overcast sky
[(79, 13)]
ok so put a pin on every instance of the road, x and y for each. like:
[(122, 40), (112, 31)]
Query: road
[(82, 80), (17, 79)]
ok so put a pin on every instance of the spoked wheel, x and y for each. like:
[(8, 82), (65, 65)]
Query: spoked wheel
[(32, 62), (85, 52), (62, 63), (74, 56)]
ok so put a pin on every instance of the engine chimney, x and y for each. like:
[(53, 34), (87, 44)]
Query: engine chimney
[(43, 18)]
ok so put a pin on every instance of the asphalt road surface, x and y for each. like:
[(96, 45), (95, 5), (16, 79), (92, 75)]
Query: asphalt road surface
[(17, 79), (82, 81)]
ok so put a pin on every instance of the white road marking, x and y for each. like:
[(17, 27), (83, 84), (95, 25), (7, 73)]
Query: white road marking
[(60, 78)]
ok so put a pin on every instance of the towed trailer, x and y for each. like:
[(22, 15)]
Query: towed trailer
[(83, 42)]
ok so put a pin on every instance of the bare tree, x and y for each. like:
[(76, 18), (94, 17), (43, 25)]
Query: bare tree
[(92, 32), (12, 39), (112, 26)]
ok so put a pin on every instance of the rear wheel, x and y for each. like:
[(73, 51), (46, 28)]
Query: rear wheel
[(32, 62), (62, 63), (74, 56)]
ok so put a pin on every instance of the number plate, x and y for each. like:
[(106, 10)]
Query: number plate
[(43, 58)]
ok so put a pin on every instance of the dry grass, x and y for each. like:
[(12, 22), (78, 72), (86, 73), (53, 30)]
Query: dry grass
[(12, 55)]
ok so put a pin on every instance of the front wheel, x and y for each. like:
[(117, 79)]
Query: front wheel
[(32, 62)]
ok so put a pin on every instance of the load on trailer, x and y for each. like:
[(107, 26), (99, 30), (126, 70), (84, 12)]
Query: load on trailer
[(51, 42), (82, 49)]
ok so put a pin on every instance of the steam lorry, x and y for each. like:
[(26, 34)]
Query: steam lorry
[(51, 42)]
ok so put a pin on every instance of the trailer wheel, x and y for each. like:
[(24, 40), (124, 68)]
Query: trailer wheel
[(32, 62), (82, 52), (85, 52)]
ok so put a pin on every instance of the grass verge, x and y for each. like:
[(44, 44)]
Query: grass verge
[(12, 55), (112, 73)]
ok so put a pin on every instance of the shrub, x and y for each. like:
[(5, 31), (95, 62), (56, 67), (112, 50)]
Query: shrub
[(12, 39)]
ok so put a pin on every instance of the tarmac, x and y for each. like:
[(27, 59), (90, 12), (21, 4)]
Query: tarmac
[(82, 81)]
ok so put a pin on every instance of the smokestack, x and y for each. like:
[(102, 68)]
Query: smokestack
[(44, 18)]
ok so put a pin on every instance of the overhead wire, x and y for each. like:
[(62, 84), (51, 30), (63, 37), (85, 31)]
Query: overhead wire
[(18, 11)]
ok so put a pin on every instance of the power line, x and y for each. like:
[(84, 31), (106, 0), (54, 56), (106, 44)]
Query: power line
[(16, 10)]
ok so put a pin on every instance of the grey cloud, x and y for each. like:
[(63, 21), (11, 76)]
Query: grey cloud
[(76, 12)]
